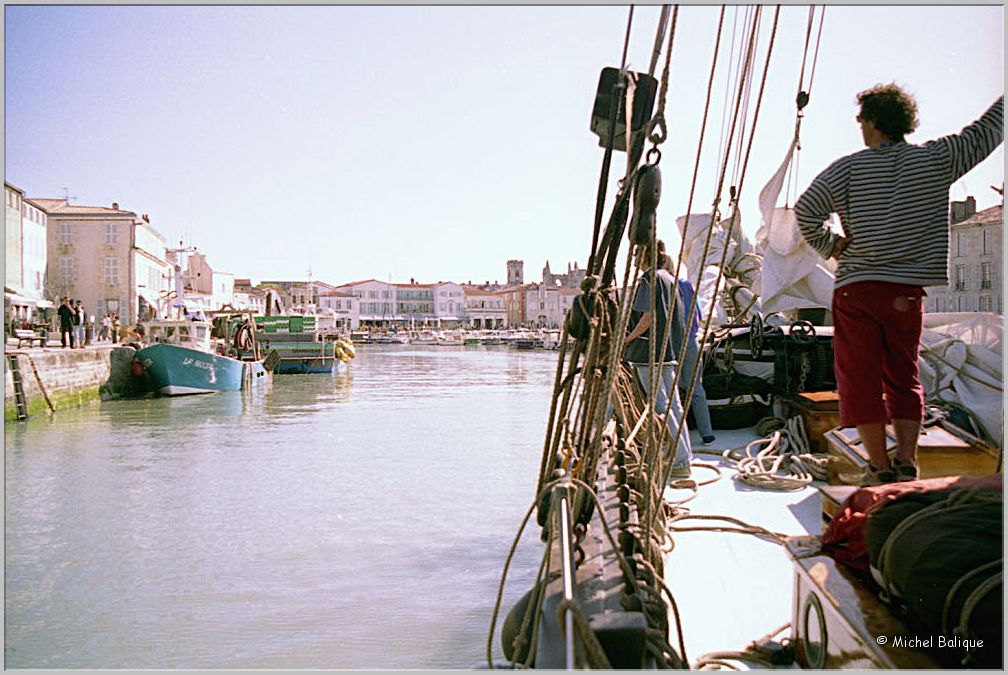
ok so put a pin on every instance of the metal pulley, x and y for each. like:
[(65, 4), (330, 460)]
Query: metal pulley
[(801, 100), (646, 194), (756, 335)]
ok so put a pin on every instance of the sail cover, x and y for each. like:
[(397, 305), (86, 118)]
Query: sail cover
[(794, 276)]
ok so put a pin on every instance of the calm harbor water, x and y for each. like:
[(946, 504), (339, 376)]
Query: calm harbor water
[(352, 520)]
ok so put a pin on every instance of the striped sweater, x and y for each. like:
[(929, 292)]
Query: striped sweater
[(893, 203)]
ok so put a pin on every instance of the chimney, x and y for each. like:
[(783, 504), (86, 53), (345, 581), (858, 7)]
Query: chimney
[(115, 206), (970, 206)]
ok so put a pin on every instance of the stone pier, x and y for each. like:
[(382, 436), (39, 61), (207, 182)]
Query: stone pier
[(68, 377)]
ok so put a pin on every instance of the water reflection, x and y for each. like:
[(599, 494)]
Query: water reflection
[(352, 520)]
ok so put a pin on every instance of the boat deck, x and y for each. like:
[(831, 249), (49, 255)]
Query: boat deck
[(732, 588)]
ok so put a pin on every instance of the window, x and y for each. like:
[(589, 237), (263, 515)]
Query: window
[(66, 234), (960, 245), (111, 233), (66, 271), (111, 271), (960, 278), (986, 275), (985, 303), (986, 240), (961, 303)]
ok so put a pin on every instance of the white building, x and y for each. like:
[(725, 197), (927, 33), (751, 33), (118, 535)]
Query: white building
[(345, 306), (248, 297), (376, 301), (449, 304), (976, 262), (25, 259)]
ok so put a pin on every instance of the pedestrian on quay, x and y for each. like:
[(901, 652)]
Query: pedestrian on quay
[(115, 328), (66, 319), (106, 327), (637, 351), (80, 324), (892, 199), (691, 358)]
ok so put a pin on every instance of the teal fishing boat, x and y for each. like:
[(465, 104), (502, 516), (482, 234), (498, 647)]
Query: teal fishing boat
[(198, 357)]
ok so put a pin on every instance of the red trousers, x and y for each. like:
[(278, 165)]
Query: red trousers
[(876, 339)]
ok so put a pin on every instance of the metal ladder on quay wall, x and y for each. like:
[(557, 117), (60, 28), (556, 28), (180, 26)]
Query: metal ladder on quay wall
[(20, 400), (20, 403)]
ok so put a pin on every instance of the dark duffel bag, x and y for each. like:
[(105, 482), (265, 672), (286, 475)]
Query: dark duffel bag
[(940, 565)]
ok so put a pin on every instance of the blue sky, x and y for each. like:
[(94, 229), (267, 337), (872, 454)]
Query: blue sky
[(433, 142)]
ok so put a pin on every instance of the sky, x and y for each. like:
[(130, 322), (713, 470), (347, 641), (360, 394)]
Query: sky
[(437, 142)]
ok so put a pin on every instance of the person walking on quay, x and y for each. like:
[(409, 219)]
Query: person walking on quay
[(80, 324), (115, 328), (892, 199), (106, 326), (66, 319), (637, 352)]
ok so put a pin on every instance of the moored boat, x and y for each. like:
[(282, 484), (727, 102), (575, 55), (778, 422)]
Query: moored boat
[(182, 358), (302, 344)]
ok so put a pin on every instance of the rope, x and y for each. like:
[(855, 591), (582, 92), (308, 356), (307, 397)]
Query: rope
[(597, 658), (785, 461), (607, 157), (751, 653), (658, 120), (957, 586)]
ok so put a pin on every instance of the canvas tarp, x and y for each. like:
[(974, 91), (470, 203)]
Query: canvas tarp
[(960, 363)]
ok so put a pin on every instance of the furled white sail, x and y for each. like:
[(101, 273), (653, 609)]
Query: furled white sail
[(794, 276)]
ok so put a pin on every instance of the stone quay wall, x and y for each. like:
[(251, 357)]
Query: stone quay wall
[(70, 377)]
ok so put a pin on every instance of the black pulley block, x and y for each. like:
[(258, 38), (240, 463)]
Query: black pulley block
[(647, 192)]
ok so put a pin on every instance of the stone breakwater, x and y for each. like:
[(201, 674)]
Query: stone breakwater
[(70, 377)]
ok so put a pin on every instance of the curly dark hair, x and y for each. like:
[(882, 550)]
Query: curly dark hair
[(893, 110)]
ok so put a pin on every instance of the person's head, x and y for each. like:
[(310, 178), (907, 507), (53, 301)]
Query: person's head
[(887, 111)]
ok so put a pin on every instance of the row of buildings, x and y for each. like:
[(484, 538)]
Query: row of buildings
[(116, 262)]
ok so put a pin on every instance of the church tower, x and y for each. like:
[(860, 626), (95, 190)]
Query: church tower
[(515, 272)]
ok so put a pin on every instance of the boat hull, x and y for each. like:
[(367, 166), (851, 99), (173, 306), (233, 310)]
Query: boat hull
[(304, 366), (179, 371)]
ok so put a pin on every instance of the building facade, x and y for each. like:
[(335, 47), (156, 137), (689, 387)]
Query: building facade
[(12, 223), (298, 296), (34, 253), (376, 301), (25, 259), (484, 309), (342, 305), (415, 304), (109, 258), (246, 296), (449, 304), (976, 262)]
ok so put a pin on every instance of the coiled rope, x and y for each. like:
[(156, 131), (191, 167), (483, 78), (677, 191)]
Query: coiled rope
[(780, 459)]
